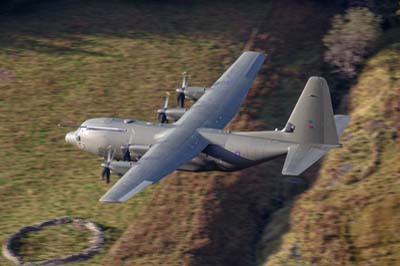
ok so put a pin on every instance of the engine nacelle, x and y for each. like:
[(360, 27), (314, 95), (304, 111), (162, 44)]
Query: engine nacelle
[(173, 114), (138, 151), (120, 167), (194, 93)]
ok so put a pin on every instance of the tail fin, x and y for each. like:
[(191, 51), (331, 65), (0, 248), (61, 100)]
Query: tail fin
[(313, 127), (312, 119)]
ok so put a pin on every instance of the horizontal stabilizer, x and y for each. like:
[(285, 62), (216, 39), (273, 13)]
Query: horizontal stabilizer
[(302, 156), (341, 122)]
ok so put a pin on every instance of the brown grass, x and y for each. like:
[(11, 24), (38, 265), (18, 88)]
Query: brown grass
[(350, 216)]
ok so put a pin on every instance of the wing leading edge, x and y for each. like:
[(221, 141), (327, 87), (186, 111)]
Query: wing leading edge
[(214, 110)]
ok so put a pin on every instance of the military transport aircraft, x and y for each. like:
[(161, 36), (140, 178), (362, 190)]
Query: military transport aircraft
[(144, 152)]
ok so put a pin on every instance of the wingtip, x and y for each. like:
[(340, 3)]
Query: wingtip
[(116, 195), (109, 199), (316, 78), (254, 53), (103, 199), (290, 173)]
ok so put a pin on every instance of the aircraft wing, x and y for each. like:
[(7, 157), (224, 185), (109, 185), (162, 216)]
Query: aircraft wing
[(220, 103), (213, 110), (178, 147)]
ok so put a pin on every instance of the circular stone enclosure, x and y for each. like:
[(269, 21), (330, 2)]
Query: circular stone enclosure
[(96, 241)]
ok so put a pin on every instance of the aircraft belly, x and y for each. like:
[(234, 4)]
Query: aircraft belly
[(205, 163), (241, 151), (255, 149), (199, 164)]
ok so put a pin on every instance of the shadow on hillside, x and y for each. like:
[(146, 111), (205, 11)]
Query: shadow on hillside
[(234, 233), (241, 204)]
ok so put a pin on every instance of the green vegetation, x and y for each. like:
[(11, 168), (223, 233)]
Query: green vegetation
[(55, 242), (351, 214), (350, 39)]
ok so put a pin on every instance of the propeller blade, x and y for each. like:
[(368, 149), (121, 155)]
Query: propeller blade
[(162, 117), (127, 154), (105, 174), (184, 81), (110, 155), (180, 99), (166, 101)]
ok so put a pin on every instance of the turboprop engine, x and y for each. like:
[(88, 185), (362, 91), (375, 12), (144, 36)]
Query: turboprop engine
[(194, 93), (119, 167), (138, 151), (167, 114), (185, 92)]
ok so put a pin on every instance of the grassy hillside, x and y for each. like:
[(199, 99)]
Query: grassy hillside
[(73, 61), (83, 59), (351, 215)]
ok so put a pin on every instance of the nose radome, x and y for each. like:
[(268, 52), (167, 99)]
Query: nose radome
[(70, 138)]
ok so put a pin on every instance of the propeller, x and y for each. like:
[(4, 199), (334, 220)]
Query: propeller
[(126, 152), (180, 99), (161, 113), (105, 174)]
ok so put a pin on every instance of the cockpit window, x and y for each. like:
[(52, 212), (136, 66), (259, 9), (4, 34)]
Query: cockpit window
[(289, 128)]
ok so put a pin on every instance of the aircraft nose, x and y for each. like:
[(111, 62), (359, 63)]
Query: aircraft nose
[(70, 138)]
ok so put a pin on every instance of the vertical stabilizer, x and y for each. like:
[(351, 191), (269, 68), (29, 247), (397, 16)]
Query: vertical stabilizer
[(312, 119)]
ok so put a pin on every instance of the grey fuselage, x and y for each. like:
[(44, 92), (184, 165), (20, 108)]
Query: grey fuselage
[(227, 151)]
